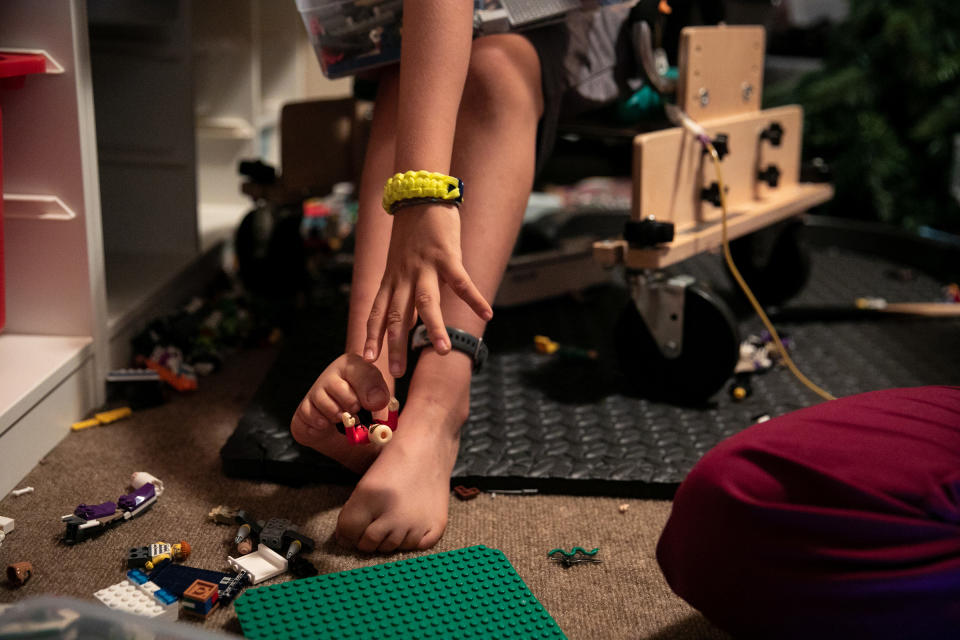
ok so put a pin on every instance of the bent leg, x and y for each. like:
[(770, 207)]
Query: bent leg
[(837, 521), (401, 502)]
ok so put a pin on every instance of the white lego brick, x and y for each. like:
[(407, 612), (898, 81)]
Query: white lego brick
[(149, 587), (124, 596), (262, 564), (6, 524)]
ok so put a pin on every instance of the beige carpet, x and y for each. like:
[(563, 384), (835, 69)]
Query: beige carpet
[(625, 596)]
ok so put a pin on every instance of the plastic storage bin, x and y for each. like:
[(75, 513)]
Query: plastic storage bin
[(350, 36)]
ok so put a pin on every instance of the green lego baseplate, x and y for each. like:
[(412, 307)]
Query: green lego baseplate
[(467, 593)]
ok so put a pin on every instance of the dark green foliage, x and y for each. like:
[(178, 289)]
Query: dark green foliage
[(884, 110)]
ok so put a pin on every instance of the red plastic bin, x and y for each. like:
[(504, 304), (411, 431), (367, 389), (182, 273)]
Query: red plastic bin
[(14, 67)]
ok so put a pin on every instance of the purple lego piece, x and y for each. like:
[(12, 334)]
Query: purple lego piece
[(94, 511), (133, 500)]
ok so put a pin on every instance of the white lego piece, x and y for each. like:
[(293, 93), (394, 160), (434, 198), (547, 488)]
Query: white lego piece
[(20, 492), (125, 596), (262, 564), (140, 478), (6, 524)]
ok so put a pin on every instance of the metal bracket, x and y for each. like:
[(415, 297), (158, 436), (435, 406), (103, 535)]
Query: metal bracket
[(648, 59), (660, 302)]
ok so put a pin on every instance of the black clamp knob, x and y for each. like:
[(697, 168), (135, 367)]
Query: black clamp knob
[(773, 133), (722, 144), (712, 194), (649, 232), (770, 175)]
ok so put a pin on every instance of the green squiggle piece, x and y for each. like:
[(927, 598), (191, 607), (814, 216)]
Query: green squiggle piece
[(573, 552)]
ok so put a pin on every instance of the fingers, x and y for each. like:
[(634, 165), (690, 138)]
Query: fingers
[(427, 300), (365, 382), (376, 323), (399, 320), (348, 384), (460, 283)]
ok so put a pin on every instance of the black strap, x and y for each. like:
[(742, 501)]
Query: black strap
[(460, 340)]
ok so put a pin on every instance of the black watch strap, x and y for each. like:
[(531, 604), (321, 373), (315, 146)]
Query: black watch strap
[(468, 343)]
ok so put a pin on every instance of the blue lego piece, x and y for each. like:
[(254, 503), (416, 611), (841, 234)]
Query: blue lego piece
[(165, 596), (137, 576), (177, 578)]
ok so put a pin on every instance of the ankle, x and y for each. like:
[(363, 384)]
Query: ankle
[(444, 382)]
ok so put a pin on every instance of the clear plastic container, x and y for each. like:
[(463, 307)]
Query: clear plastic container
[(69, 619), (350, 36)]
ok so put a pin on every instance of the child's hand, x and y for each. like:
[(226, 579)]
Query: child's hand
[(347, 384), (424, 249)]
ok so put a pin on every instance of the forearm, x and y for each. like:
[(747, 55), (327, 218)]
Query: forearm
[(434, 58)]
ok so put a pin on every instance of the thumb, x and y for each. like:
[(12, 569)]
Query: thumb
[(367, 382)]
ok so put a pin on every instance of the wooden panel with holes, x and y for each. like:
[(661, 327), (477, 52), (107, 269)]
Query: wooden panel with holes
[(670, 168), (721, 71), (788, 202)]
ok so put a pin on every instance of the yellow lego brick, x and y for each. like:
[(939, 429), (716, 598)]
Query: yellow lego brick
[(83, 424), (112, 416)]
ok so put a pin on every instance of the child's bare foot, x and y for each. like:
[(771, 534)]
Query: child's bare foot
[(401, 501), (348, 384)]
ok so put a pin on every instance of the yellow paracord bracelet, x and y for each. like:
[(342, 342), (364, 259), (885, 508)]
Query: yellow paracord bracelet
[(416, 187)]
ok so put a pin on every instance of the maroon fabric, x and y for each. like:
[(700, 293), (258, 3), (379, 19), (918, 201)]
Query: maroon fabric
[(837, 521)]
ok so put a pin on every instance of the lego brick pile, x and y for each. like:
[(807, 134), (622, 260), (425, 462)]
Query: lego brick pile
[(550, 424)]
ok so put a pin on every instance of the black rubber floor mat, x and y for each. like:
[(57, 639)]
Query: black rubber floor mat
[(571, 427)]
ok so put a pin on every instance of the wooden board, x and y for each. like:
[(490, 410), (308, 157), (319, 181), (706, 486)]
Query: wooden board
[(707, 236), (670, 167), (721, 71)]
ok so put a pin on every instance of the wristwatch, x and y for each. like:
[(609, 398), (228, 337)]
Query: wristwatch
[(468, 343)]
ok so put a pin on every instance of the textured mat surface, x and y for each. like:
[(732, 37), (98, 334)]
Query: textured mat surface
[(571, 427)]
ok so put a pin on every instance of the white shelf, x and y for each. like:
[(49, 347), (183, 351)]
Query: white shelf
[(175, 111), (33, 366), (134, 279), (225, 128), (218, 222)]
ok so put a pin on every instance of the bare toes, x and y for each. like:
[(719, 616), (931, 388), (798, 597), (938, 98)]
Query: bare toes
[(352, 524), (373, 536), (412, 540), (393, 540), (430, 538)]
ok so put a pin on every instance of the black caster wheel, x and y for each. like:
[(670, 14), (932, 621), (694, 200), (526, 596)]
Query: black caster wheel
[(711, 346), (773, 261)]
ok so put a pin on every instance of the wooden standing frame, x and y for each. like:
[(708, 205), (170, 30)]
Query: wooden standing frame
[(719, 86)]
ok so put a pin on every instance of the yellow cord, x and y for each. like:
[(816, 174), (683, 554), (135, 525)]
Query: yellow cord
[(746, 289)]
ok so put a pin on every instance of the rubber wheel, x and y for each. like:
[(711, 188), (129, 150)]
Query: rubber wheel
[(774, 262), (711, 345)]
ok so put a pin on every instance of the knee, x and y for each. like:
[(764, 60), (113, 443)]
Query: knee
[(503, 80)]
